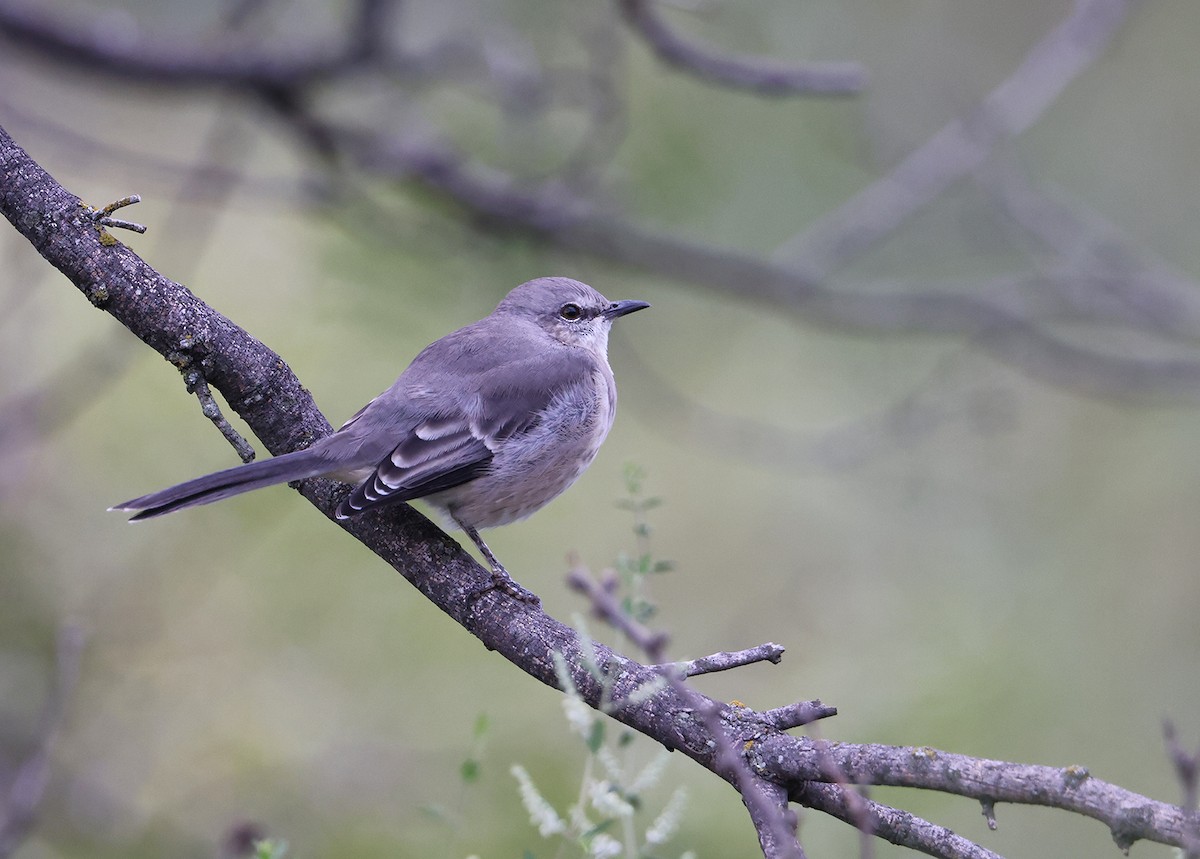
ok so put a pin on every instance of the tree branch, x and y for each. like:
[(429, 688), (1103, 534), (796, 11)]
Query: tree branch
[(963, 145), (1129, 816), (261, 388), (890, 824), (185, 63), (751, 73), (553, 213)]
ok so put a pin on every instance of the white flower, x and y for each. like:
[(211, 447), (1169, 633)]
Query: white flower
[(667, 822), (604, 846), (579, 715), (647, 690), (563, 673), (612, 766), (651, 774), (607, 800), (541, 813), (579, 819)]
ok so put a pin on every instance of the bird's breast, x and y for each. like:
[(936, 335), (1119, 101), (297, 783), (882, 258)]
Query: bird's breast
[(531, 468)]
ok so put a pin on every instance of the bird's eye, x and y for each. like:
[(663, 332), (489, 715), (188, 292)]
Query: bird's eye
[(570, 311)]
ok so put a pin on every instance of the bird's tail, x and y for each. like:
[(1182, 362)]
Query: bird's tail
[(297, 465)]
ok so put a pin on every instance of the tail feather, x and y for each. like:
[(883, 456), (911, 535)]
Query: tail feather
[(297, 465)]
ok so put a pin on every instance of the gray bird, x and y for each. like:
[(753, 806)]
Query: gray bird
[(487, 424)]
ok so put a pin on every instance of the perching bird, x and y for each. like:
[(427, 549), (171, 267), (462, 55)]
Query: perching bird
[(487, 424)]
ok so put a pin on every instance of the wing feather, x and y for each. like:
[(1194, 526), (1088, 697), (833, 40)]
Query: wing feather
[(461, 426)]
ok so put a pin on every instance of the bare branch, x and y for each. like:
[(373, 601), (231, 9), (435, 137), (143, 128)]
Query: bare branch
[(725, 660), (554, 214), (261, 388), (1093, 270), (797, 715), (1187, 770), (773, 820), (764, 800), (208, 406), (1129, 816), (259, 385), (607, 607), (576, 224), (185, 63), (963, 145), (761, 76), (103, 216), (891, 824)]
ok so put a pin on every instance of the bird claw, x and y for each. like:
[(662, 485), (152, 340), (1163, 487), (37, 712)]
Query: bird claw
[(503, 582)]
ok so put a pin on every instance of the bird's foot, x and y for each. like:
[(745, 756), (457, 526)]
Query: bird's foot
[(503, 582)]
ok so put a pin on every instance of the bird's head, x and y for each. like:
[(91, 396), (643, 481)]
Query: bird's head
[(569, 311)]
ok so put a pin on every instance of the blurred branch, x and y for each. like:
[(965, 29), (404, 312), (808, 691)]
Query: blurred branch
[(890, 824), (576, 224), (1091, 268), (606, 606), (555, 212), (33, 416), (764, 795), (963, 145), (184, 63), (262, 389), (765, 800), (761, 76), (1128, 815), (211, 181), (1187, 770), (19, 806)]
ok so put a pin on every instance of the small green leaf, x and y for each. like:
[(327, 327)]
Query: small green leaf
[(481, 725), (634, 474), (270, 848), (596, 737), (587, 837), (469, 770)]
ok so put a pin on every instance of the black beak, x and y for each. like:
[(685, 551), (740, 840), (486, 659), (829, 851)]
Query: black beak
[(621, 308)]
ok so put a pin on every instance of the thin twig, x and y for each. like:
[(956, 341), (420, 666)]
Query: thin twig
[(727, 659), (796, 715), (608, 608), (890, 824), (765, 77), (765, 802), (961, 146), (197, 385), (102, 217), (1187, 770)]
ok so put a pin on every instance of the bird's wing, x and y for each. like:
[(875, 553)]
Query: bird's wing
[(457, 442), (440, 453)]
